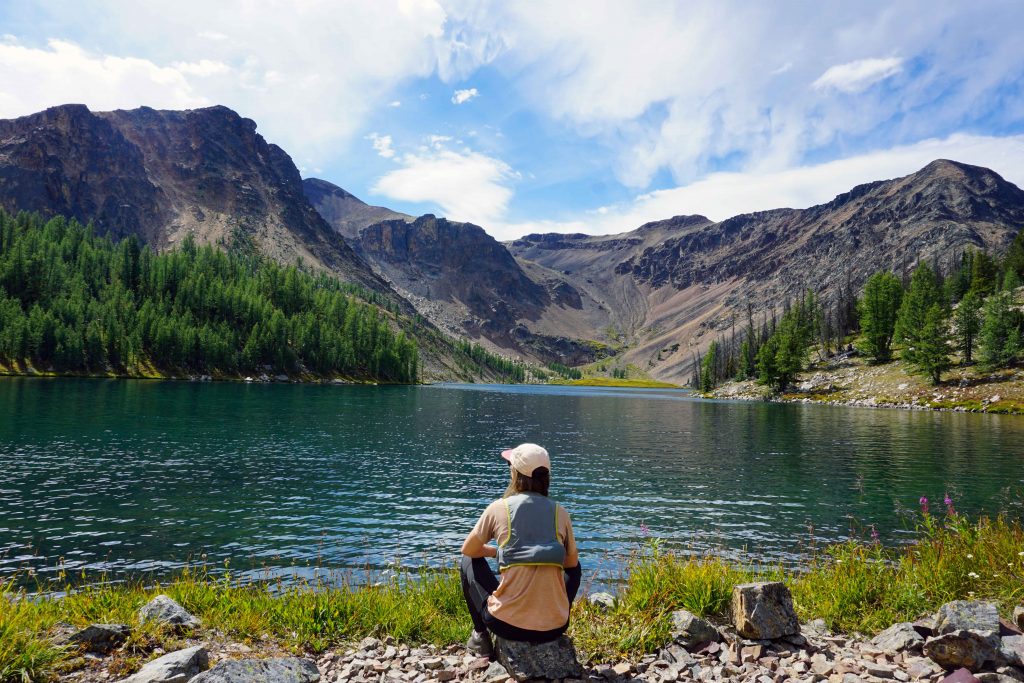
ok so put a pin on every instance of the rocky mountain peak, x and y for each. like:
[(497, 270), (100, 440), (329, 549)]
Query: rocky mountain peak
[(343, 211), (166, 174)]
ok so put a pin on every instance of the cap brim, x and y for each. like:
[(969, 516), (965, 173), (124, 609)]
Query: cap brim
[(507, 455)]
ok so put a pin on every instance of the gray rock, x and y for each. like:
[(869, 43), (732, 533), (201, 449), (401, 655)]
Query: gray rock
[(100, 637), (967, 615), (817, 627), (1012, 671), (606, 600), (173, 667), (1011, 649), (763, 610), (556, 659), (1018, 616), (922, 669), (494, 672), (164, 610), (962, 649), (280, 670), (898, 637), (688, 629), (992, 677)]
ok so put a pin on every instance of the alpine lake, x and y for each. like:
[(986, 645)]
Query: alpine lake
[(136, 478)]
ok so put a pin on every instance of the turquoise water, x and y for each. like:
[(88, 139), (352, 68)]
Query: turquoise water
[(137, 477)]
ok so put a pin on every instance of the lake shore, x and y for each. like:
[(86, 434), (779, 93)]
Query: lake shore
[(154, 374), (847, 590), (854, 382)]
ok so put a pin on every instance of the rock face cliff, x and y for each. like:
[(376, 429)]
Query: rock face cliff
[(675, 284), (343, 211), (166, 174), (466, 282)]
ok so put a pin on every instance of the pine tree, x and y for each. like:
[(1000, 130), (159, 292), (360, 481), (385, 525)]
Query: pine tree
[(924, 294), (999, 337), (931, 353), (984, 272), (708, 379), (968, 324), (878, 310), (1015, 256)]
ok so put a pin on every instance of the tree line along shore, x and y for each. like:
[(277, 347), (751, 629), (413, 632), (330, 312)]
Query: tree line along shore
[(73, 302), (964, 324)]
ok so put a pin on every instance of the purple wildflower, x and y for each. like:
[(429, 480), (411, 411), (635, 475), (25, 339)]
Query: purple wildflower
[(644, 530), (924, 504), (947, 501), (874, 533)]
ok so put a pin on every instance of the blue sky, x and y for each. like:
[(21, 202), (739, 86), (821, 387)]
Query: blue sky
[(571, 116)]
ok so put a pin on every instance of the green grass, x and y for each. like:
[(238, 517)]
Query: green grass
[(856, 586)]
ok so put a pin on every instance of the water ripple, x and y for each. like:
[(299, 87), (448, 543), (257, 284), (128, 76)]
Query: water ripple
[(143, 477)]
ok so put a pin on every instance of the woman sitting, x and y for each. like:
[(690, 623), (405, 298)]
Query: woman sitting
[(536, 553)]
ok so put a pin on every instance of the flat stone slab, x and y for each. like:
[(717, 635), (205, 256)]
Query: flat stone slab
[(280, 670), (898, 637), (764, 611), (967, 615), (523, 661), (173, 667), (164, 610)]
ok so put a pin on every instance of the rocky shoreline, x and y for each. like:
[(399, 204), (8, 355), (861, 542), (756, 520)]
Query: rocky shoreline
[(851, 382), (764, 643)]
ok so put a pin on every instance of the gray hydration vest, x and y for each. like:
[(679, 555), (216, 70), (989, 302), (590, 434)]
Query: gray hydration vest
[(533, 533)]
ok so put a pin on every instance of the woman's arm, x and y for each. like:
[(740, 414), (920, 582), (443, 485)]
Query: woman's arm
[(474, 547)]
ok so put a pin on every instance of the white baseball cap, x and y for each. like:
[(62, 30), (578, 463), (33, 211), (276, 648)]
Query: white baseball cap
[(526, 457)]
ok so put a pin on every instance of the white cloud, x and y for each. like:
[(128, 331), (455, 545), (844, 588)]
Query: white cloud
[(465, 185), (394, 104), (62, 72), (687, 87), (382, 145), (311, 75), (855, 77), (722, 195), (202, 68), (463, 96)]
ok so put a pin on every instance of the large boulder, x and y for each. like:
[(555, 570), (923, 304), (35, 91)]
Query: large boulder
[(555, 659), (898, 637), (688, 629), (173, 667), (165, 611), (965, 649), (763, 611), (100, 637), (968, 615), (280, 670)]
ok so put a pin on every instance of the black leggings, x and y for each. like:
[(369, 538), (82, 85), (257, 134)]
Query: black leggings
[(479, 581)]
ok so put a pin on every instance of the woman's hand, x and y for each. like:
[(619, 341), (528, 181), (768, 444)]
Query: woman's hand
[(474, 547)]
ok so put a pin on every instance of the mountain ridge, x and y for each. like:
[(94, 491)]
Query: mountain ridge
[(165, 174), (651, 297)]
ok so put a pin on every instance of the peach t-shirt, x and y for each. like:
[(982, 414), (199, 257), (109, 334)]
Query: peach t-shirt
[(531, 598)]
